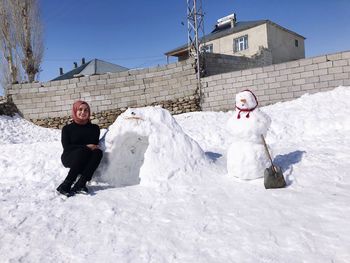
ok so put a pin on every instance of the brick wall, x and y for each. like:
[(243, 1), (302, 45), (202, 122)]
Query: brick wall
[(49, 103), (220, 63), (174, 86), (279, 82)]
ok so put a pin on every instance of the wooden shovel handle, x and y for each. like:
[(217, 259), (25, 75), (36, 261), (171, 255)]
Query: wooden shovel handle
[(268, 153)]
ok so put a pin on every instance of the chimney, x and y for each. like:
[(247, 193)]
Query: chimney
[(61, 71), (75, 64), (83, 61)]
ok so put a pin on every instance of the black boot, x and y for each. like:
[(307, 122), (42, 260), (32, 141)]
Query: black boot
[(80, 187), (80, 190), (65, 189)]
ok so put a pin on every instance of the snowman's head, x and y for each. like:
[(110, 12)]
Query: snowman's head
[(246, 100)]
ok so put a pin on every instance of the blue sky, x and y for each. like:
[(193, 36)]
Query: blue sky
[(138, 33)]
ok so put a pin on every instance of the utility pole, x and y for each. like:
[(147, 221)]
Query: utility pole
[(195, 27)]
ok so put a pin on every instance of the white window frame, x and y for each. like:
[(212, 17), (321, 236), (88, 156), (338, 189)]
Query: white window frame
[(207, 48), (240, 43)]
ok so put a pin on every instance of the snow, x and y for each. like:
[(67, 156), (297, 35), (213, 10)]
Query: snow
[(200, 214), (146, 146)]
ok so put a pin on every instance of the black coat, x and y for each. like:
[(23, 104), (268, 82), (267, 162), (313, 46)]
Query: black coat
[(76, 136)]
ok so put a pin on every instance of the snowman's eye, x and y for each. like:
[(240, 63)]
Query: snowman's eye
[(133, 113)]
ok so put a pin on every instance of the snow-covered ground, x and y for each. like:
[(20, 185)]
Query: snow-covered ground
[(197, 213)]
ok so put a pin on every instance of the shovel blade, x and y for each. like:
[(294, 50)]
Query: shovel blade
[(273, 178)]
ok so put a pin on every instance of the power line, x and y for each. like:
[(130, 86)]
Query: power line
[(104, 58)]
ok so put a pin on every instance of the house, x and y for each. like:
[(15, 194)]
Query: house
[(248, 38), (93, 67)]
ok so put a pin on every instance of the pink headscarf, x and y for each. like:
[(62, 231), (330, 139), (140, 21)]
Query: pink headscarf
[(75, 108)]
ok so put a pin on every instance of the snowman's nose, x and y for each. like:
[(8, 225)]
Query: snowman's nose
[(243, 100)]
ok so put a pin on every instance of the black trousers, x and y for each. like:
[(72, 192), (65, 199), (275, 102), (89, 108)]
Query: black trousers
[(81, 161)]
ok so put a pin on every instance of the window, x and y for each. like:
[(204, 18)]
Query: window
[(240, 43), (296, 43), (207, 48)]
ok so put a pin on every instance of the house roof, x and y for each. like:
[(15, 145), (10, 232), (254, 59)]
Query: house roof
[(226, 29), (92, 67)]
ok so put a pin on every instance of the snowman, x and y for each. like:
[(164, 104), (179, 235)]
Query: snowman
[(246, 156)]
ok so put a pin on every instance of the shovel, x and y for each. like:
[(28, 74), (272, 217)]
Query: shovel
[(273, 176)]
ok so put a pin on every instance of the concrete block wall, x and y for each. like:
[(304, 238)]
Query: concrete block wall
[(133, 88), (278, 82), (175, 87), (220, 63)]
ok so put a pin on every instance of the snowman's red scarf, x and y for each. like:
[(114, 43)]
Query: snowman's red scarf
[(247, 110), (244, 110)]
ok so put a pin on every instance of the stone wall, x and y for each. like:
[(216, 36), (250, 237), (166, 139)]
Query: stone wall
[(107, 117), (220, 63), (49, 104), (7, 107), (279, 82)]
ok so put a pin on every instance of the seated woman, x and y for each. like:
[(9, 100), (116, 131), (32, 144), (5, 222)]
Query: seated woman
[(81, 152)]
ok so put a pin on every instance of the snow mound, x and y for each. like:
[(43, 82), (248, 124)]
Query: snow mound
[(16, 130), (315, 115), (147, 146)]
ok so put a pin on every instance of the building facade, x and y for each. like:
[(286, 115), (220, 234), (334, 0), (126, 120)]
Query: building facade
[(247, 39)]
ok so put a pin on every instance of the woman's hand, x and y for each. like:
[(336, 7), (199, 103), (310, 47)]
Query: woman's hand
[(92, 146)]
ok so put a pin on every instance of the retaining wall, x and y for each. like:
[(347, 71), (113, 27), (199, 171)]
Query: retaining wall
[(278, 82), (174, 86), (7, 107), (49, 104)]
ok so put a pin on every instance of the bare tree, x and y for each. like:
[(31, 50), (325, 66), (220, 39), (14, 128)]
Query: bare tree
[(5, 76), (28, 28), (7, 45), (21, 41)]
